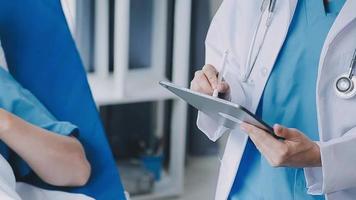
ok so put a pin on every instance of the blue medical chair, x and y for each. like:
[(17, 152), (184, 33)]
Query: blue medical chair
[(42, 56)]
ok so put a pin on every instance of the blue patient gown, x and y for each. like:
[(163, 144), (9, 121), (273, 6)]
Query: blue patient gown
[(290, 88), (20, 102)]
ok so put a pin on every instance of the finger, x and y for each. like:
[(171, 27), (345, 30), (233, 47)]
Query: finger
[(211, 74), (273, 150), (193, 83), (223, 87), (261, 138), (203, 83), (284, 132), (194, 86), (262, 147), (255, 132)]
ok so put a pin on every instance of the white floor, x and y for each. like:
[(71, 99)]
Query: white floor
[(200, 178), (201, 175)]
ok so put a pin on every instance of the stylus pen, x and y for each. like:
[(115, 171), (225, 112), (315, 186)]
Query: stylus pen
[(221, 73)]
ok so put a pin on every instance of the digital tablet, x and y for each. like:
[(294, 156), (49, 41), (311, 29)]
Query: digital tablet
[(225, 113)]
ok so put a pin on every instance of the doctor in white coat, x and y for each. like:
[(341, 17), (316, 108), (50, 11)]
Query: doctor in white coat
[(291, 62)]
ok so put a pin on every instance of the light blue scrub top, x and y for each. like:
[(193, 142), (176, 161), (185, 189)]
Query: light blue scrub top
[(19, 101), (291, 88)]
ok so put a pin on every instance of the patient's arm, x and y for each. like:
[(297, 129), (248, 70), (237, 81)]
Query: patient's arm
[(56, 159)]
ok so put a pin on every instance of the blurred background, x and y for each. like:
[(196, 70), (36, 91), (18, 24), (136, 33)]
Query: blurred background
[(127, 46)]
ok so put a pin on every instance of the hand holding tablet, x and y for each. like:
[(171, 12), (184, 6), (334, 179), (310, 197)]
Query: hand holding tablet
[(225, 113)]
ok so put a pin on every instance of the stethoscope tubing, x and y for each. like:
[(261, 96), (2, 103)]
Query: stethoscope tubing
[(251, 61), (252, 44), (250, 66), (352, 65)]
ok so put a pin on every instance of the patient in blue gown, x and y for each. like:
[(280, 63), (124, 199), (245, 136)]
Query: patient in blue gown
[(32, 140)]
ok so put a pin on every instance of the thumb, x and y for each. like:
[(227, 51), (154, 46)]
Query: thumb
[(223, 87), (283, 131)]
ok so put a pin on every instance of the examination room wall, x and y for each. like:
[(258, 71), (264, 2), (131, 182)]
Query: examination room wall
[(137, 114)]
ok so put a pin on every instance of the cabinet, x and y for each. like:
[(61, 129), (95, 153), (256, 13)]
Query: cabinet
[(106, 44)]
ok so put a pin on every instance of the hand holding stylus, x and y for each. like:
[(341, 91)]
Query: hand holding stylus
[(206, 81)]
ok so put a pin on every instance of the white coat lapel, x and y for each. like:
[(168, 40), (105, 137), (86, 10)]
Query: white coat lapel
[(346, 17), (237, 140), (271, 48)]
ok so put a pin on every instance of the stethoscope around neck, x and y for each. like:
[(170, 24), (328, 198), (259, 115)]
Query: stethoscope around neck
[(269, 7), (345, 84)]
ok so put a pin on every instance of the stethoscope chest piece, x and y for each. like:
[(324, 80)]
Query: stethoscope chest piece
[(345, 86)]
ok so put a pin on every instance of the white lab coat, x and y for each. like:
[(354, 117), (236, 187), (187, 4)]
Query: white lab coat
[(232, 29)]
